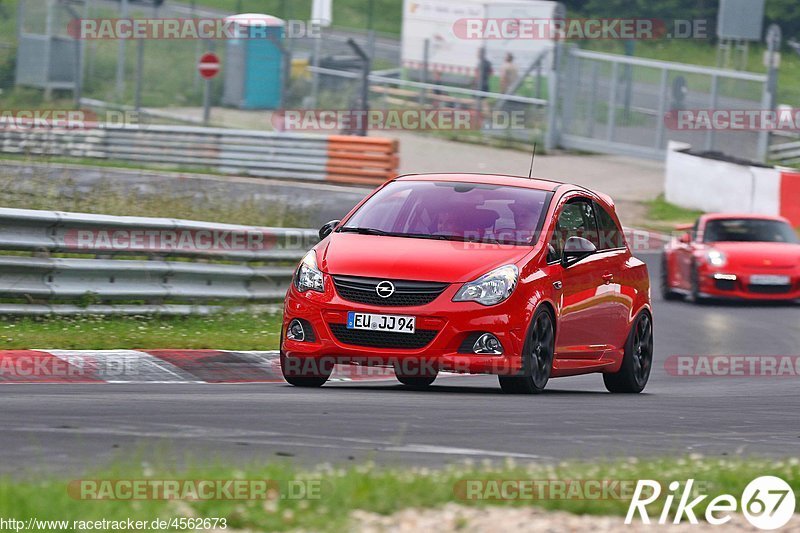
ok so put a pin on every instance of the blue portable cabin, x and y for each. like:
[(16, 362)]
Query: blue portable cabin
[(254, 62)]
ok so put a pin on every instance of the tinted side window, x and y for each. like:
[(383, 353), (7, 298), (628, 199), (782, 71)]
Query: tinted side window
[(611, 235), (577, 219)]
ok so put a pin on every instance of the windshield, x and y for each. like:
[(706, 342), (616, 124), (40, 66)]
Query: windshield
[(452, 211), (749, 230)]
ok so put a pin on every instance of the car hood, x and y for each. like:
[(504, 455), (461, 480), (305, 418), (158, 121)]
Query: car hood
[(760, 254), (412, 259)]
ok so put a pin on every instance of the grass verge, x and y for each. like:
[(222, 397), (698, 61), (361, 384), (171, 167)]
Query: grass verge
[(327, 495), (234, 331), (213, 204), (663, 216)]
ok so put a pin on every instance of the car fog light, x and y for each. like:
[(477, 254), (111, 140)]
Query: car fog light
[(487, 344), (295, 331), (725, 277)]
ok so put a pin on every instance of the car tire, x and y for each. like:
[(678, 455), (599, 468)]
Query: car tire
[(694, 286), (666, 291), (416, 382), (308, 378), (537, 357), (413, 375), (637, 362)]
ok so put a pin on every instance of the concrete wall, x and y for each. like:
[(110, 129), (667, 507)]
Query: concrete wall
[(722, 187)]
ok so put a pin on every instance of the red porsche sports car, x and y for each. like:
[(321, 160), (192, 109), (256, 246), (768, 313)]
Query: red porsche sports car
[(733, 256), (523, 278)]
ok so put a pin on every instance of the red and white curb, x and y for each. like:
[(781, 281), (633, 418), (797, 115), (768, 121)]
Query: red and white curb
[(157, 366), (644, 241)]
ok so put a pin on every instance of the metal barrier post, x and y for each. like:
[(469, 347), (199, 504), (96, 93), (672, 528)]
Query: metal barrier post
[(612, 104), (551, 138), (712, 105), (662, 109)]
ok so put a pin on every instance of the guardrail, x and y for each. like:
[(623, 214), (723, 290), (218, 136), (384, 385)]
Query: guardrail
[(336, 158), (133, 265), (785, 148)]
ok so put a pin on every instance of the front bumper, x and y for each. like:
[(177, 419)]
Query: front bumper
[(738, 283), (450, 324)]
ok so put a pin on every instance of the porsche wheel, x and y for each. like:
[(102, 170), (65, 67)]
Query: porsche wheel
[(666, 291), (694, 286)]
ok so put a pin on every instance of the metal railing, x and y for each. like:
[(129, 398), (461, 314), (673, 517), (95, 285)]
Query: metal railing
[(785, 148), (68, 263), (340, 88), (228, 151)]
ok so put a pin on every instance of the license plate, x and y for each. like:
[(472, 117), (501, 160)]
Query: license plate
[(769, 280), (395, 323)]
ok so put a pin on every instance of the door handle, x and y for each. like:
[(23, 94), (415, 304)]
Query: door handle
[(608, 278)]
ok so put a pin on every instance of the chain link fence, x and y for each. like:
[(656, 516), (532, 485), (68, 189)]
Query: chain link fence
[(629, 105)]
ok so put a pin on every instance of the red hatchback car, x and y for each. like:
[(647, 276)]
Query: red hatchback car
[(733, 256), (524, 278)]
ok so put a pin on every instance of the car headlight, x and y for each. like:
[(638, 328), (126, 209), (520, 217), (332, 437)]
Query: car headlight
[(716, 258), (491, 288), (308, 276)]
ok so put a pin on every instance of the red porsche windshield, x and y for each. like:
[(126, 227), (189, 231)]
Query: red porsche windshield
[(749, 230), (452, 211)]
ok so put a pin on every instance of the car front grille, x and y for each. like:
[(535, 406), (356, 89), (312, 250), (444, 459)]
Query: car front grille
[(770, 289), (725, 284), (382, 339), (406, 294)]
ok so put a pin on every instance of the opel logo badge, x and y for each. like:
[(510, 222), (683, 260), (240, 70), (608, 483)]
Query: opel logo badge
[(385, 289)]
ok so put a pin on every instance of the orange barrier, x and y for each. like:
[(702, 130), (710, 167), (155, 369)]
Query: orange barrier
[(361, 160)]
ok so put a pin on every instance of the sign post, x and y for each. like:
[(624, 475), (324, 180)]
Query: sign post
[(208, 67)]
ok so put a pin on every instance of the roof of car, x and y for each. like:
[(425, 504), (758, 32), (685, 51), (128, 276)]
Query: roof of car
[(491, 179)]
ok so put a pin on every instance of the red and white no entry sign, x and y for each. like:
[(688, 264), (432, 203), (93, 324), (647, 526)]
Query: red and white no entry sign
[(208, 65)]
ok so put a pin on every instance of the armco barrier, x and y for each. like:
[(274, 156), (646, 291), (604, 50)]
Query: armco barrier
[(717, 186), (339, 158), (140, 264)]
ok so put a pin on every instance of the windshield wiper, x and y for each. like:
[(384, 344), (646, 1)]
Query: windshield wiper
[(364, 231), (373, 231), (435, 237)]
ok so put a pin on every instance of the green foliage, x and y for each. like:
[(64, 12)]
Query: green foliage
[(223, 331), (335, 492)]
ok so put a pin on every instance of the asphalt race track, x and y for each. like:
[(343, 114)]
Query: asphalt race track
[(67, 427)]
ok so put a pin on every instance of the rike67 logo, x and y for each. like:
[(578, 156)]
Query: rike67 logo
[(767, 502)]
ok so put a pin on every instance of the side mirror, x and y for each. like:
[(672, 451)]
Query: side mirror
[(575, 249), (327, 228), (685, 238)]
